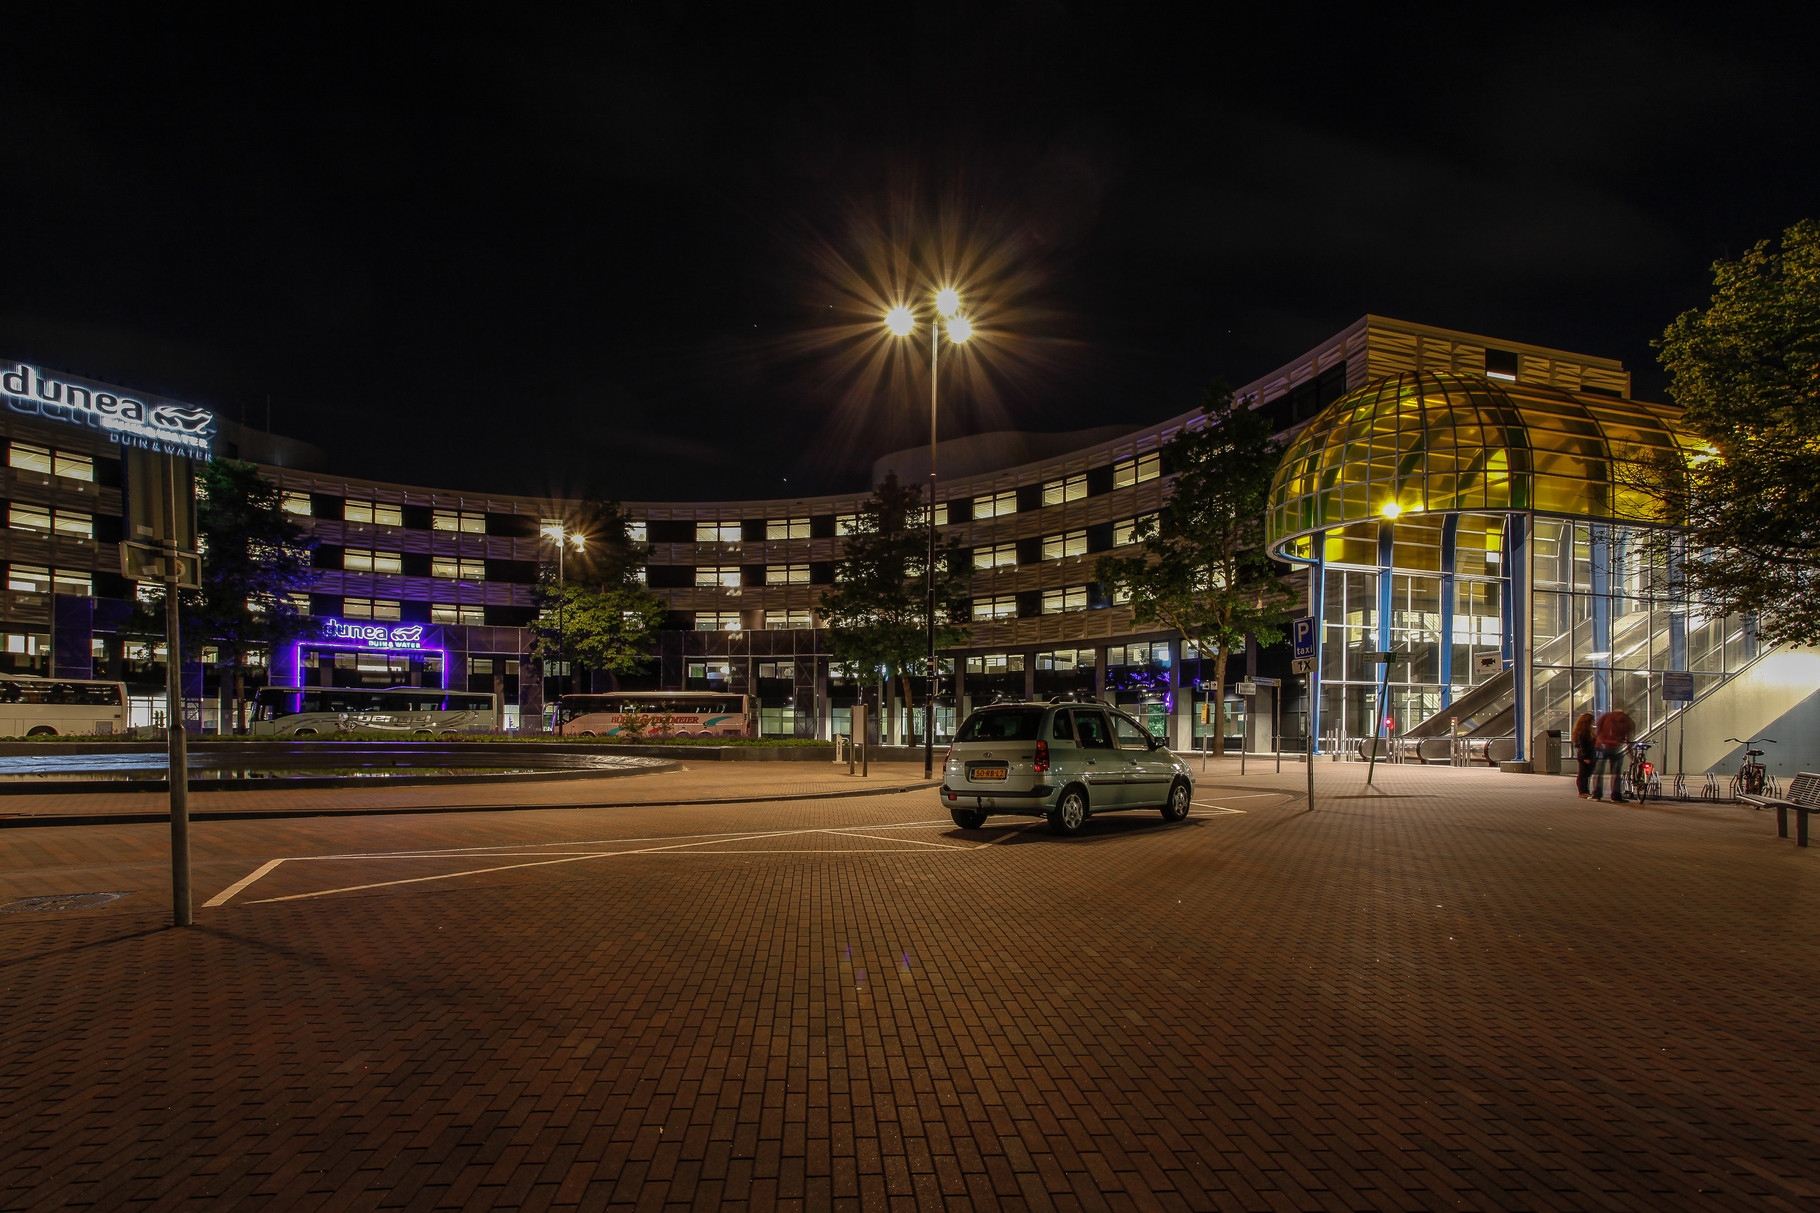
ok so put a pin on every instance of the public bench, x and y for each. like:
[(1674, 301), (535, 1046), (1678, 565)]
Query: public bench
[(1803, 798)]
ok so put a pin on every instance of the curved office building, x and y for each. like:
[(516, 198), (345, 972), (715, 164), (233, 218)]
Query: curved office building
[(1467, 502)]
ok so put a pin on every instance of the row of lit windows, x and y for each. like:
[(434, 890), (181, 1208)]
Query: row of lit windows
[(451, 568), (1064, 660), (729, 621), (381, 513), (33, 579), (1125, 473), (50, 461), (391, 609), (70, 523)]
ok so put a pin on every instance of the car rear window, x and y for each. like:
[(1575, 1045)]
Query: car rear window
[(1003, 724)]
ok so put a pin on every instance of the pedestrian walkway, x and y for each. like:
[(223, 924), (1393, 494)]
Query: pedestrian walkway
[(1451, 990)]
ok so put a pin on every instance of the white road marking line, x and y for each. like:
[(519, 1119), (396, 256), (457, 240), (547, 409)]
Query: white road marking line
[(850, 833), (242, 883)]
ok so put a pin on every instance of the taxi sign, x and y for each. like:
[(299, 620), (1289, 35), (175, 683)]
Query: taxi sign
[(1302, 632)]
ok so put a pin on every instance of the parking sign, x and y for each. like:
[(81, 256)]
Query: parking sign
[(1302, 632)]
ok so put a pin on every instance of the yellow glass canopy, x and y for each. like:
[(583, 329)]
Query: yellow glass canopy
[(1425, 442)]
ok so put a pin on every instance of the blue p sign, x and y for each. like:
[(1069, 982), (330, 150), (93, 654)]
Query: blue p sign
[(1302, 632)]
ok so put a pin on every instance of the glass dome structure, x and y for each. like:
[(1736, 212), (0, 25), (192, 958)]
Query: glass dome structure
[(1430, 443)]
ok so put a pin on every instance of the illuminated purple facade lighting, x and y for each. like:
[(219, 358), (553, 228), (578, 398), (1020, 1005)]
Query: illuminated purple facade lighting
[(371, 638)]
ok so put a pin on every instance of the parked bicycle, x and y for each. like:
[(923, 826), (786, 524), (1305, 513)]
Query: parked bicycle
[(1752, 776), (1641, 775)]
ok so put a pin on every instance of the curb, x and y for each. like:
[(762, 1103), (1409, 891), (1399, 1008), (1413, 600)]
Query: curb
[(115, 819)]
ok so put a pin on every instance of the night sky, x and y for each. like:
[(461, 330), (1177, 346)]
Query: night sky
[(641, 251)]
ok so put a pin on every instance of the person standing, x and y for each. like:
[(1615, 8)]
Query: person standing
[(1611, 736), (1585, 753)]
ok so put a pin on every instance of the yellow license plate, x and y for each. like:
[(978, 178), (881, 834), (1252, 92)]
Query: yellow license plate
[(988, 773)]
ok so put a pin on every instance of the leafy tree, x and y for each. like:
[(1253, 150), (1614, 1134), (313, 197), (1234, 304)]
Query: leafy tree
[(1747, 370), (877, 611), (1203, 570), (254, 558), (599, 614)]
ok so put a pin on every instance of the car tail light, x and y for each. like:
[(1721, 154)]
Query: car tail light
[(1042, 758)]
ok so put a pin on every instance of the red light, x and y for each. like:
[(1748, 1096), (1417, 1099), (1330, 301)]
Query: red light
[(1042, 757)]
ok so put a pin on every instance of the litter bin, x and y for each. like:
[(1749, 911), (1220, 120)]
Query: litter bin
[(1548, 752)]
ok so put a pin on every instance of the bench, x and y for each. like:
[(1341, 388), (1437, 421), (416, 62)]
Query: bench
[(1803, 798)]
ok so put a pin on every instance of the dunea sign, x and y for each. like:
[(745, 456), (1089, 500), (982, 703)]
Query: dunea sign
[(406, 637), (128, 418)]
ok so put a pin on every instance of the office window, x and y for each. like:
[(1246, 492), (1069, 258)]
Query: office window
[(1121, 596), (996, 504), (846, 524), (373, 511), (72, 466), (637, 531), (450, 612), (28, 580), (365, 560), (1002, 556), (356, 608), (300, 602), (1125, 533), (786, 574), (456, 568), (1155, 652), (1072, 488), (465, 522), (716, 621), (299, 504), (1071, 598), (719, 576), (787, 528), (73, 581), (1127, 472), (996, 663), (30, 457), (717, 532), (777, 669), (1002, 607), (28, 517), (1073, 543), (73, 525), (788, 620)]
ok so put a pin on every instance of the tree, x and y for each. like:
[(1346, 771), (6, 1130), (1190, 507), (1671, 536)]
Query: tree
[(599, 614), (254, 559), (1203, 570), (877, 611), (1747, 371)]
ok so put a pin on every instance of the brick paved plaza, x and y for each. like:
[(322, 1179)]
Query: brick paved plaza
[(1470, 990)]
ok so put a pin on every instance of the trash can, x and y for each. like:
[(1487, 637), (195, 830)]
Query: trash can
[(1548, 752)]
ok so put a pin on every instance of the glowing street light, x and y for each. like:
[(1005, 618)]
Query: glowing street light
[(1392, 510), (559, 534), (901, 322)]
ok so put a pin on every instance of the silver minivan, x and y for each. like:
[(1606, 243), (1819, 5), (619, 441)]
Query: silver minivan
[(1062, 761)]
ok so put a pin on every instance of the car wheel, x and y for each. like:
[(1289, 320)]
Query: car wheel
[(968, 819), (43, 730), (586, 733), (1069, 813), (1179, 796)]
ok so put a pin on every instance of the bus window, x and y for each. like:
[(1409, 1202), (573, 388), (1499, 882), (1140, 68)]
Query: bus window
[(470, 703)]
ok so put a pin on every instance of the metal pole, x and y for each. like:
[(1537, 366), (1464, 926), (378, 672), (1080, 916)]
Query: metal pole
[(1276, 728), (562, 636), (1309, 729), (1251, 704), (935, 340), (1377, 724), (176, 741)]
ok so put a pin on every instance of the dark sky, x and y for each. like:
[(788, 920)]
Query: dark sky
[(639, 250)]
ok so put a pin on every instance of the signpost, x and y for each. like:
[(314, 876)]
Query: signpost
[(1302, 633), (1678, 687), (160, 498), (1276, 709)]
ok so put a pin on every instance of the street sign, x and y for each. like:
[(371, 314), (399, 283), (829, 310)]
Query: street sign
[(160, 499), (1384, 658), (1302, 632), (1485, 663), (145, 562), (1247, 688), (1678, 686), (1264, 682), (1302, 665)]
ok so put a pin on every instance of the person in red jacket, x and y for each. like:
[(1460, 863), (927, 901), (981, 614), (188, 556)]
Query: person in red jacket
[(1611, 736)]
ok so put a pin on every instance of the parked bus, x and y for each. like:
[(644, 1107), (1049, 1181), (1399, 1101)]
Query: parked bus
[(417, 711), (52, 707), (656, 714)]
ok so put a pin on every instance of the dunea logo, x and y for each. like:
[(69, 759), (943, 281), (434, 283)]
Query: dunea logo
[(162, 425)]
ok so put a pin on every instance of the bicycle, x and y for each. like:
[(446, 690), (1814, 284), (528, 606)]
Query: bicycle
[(1641, 775), (1752, 776)]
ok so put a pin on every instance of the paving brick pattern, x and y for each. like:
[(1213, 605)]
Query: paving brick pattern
[(1473, 992)]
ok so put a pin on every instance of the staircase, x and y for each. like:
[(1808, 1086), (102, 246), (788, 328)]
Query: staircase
[(1746, 704)]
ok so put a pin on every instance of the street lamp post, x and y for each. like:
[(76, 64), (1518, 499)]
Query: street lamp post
[(562, 537), (902, 322)]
